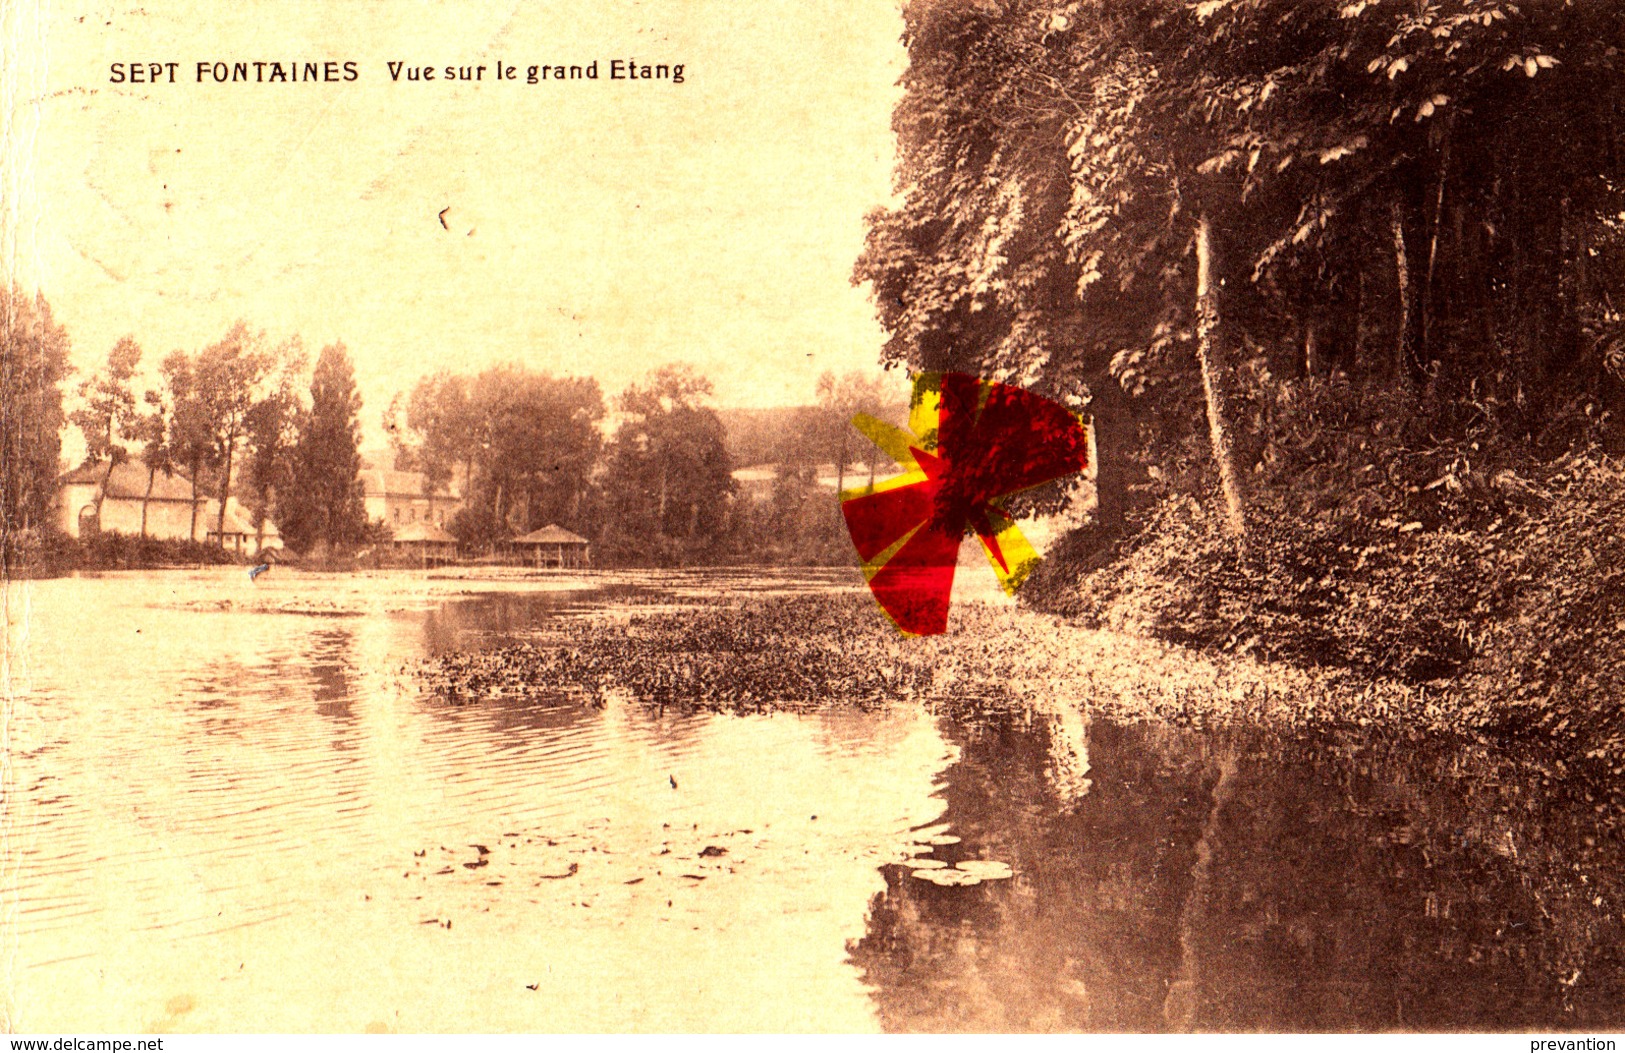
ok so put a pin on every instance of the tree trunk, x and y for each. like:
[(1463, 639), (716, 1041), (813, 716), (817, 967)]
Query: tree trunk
[(152, 473), (660, 509), (840, 466), (196, 468), (1563, 301), (1429, 329), (1361, 364), (225, 494), (1113, 435), (107, 480), (1215, 381), (1404, 345)]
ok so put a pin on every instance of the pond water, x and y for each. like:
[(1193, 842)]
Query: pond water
[(227, 809)]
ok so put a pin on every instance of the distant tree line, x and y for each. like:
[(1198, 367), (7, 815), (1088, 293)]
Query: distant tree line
[(525, 449), (249, 418)]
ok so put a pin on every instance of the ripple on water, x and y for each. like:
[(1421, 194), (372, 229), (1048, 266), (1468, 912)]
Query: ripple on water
[(234, 793), (206, 807)]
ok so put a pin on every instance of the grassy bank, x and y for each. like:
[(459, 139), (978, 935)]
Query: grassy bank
[(1506, 616)]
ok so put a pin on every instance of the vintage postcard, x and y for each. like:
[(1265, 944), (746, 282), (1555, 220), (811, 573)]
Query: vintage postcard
[(840, 516)]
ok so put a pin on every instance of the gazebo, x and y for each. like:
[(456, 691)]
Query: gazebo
[(554, 546), (425, 541)]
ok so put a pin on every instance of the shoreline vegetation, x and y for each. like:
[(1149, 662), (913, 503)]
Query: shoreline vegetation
[(48, 554), (801, 653)]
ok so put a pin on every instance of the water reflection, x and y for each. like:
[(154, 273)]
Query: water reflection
[(227, 810), (330, 662), (1242, 882)]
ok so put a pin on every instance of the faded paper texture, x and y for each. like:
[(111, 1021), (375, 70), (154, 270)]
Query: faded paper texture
[(569, 707), (591, 227)]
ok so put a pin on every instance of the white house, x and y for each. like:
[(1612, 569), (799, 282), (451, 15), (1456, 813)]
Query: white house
[(398, 499), (170, 503), (169, 508)]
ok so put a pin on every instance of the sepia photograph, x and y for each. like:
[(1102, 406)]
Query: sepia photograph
[(848, 516)]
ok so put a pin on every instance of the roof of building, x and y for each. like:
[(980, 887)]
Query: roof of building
[(239, 520), (386, 482), (235, 523), (129, 480), (424, 531), (551, 534)]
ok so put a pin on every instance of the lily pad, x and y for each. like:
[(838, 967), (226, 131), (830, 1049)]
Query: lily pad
[(941, 839), (948, 877), (926, 864), (986, 869)]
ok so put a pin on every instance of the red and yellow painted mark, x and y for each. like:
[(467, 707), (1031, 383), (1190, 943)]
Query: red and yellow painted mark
[(971, 444)]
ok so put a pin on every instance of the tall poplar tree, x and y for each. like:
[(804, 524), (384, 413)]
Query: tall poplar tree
[(324, 502)]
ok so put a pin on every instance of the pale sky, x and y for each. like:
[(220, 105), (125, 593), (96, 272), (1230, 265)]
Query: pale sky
[(595, 227)]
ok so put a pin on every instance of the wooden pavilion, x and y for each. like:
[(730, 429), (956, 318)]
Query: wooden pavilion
[(425, 542), (553, 546)]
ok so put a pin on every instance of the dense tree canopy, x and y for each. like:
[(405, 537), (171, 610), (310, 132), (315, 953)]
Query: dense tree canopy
[(667, 470), (228, 379), (1419, 200), (33, 361), (187, 441), (520, 443)]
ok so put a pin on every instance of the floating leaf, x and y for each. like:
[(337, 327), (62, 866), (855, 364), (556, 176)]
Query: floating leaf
[(948, 878)]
